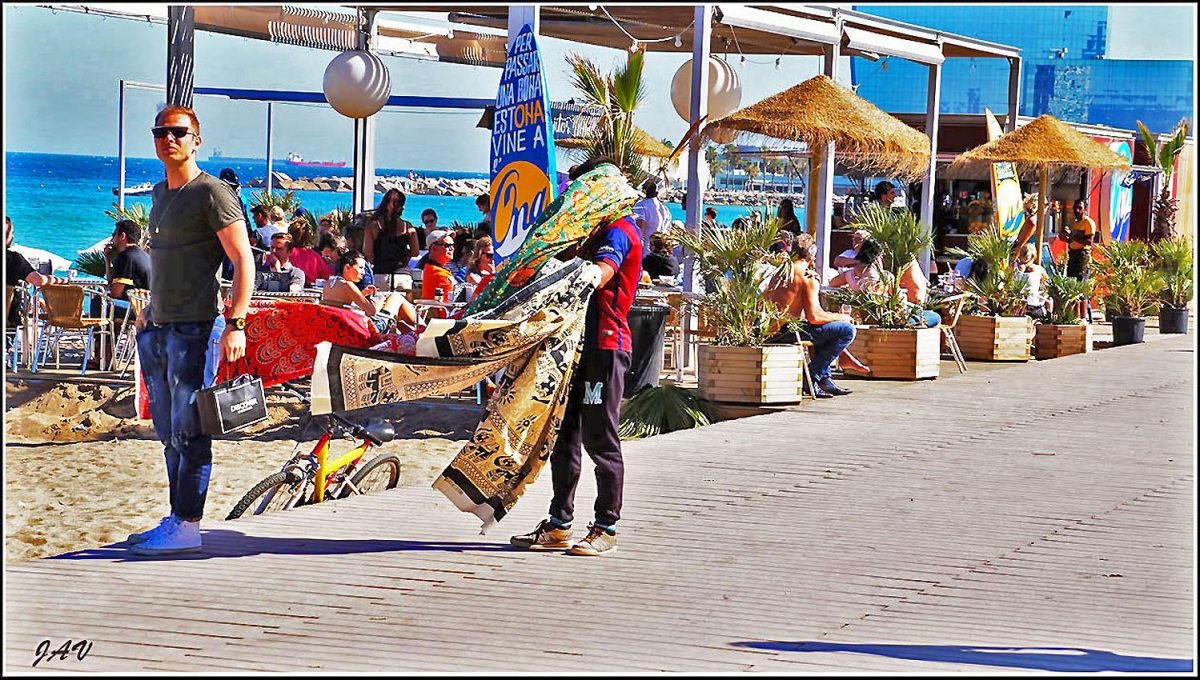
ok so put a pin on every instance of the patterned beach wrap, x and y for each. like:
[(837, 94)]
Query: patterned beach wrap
[(529, 321), (535, 335), (598, 197)]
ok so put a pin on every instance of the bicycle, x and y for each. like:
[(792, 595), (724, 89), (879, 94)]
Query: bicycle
[(312, 477)]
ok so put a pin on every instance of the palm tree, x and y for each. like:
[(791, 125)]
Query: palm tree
[(614, 96), (1163, 156), (752, 171)]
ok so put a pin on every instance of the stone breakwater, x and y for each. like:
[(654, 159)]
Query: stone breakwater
[(440, 186), (735, 197), (421, 186)]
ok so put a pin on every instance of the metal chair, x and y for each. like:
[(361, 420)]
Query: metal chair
[(125, 347), (65, 316), (954, 305)]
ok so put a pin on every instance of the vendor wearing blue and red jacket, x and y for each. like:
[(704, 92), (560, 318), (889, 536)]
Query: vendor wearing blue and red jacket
[(594, 402)]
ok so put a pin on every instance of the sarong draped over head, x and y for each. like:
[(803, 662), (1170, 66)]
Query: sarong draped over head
[(532, 329)]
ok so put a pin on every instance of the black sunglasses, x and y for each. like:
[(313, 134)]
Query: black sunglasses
[(430, 221), (178, 132)]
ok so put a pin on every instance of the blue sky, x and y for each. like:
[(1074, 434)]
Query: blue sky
[(61, 73)]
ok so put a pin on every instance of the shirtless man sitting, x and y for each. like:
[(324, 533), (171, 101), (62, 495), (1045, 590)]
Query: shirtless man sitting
[(796, 289)]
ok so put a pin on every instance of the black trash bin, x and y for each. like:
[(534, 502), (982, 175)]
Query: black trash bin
[(647, 324)]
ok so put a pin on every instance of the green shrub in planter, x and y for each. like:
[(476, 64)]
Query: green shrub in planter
[(1176, 260), (1001, 290), (1065, 292)]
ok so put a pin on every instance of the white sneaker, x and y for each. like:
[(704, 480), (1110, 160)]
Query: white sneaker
[(143, 536), (178, 537)]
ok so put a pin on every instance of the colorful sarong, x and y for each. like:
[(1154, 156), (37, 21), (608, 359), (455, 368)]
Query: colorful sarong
[(282, 337), (529, 321)]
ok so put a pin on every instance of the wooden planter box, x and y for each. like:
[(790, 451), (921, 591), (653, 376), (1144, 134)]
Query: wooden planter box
[(995, 338), (1051, 341), (750, 375), (899, 353)]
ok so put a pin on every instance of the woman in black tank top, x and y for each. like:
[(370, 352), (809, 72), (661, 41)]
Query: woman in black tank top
[(390, 241)]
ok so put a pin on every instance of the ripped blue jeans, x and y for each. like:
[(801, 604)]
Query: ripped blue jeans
[(172, 356)]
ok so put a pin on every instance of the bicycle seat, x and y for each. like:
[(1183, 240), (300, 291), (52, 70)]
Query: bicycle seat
[(379, 430)]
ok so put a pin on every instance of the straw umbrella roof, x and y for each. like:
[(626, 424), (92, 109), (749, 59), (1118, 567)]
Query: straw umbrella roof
[(643, 143), (1043, 142), (819, 110)]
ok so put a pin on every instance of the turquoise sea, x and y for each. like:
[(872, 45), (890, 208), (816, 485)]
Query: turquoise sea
[(57, 202)]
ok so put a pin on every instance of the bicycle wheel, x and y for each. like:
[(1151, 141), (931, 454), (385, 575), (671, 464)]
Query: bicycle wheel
[(280, 491), (382, 472)]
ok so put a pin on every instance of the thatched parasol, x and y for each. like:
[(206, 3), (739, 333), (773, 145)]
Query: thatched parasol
[(643, 143), (818, 111), (1044, 142)]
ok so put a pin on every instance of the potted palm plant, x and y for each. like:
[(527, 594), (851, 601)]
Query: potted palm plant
[(995, 329), (1063, 332), (1176, 261), (736, 365), (1163, 156), (1131, 284), (896, 344)]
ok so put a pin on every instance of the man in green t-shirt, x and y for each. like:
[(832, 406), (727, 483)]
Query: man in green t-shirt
[(195, 221)]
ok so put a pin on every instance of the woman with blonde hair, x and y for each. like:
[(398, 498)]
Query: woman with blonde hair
[(1037, 304)]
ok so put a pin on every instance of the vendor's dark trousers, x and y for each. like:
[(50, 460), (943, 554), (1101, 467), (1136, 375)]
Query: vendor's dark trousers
[(172, 356), (590, 421)]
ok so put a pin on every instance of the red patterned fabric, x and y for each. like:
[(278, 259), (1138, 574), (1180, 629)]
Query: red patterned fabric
[(282, 337)]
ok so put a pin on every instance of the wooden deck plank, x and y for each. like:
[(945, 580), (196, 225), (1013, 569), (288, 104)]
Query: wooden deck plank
[(925, 532)]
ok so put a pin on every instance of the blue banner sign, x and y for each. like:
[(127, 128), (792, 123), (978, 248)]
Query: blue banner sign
[(522, 154)]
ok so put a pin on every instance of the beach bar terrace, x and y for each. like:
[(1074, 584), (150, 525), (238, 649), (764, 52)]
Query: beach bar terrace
[(476, 34)]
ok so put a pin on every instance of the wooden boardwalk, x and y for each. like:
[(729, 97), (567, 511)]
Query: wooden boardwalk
[(1036, 517)]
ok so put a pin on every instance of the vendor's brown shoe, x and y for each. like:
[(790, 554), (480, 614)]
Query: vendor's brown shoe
[(547, 536), (598, 541)]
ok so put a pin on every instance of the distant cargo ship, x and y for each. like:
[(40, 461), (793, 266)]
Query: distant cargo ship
[(216, 155), (297, 159)]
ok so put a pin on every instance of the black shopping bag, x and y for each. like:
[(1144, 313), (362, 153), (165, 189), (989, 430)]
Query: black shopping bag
[(231, 405)]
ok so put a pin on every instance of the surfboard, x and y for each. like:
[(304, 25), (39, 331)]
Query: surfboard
[(1006, 188)]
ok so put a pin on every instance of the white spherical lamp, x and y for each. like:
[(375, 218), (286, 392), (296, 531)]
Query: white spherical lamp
[(724, 89), (723, 136), (357, 83)]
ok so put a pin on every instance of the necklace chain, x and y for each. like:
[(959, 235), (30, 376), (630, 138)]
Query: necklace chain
[(158, 222)]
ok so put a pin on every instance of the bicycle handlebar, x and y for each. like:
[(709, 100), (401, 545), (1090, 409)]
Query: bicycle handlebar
[(356, 430)]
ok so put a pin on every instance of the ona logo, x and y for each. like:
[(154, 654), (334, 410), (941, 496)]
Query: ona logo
[(519, 192)]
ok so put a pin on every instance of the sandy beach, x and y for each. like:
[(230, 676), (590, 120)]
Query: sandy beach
[(81, 471)]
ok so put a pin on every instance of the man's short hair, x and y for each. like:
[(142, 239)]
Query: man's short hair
[(166, 111), (710, 212), (882, 188), (131, 229), (650, 187), (283, 236), (804, 247), (484, 201), (428, 211), (1080, 203), (261, 210)]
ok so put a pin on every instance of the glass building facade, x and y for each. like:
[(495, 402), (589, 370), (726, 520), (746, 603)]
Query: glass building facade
[(1064, 71)]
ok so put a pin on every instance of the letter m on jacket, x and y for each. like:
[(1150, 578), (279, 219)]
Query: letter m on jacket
[(592, 393)]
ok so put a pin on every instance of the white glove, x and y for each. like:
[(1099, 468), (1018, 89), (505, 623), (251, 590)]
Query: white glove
[(591, 274)]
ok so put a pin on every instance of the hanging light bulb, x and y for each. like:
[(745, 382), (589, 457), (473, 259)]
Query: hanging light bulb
[(591, 8), (679, 40), (778, 63)]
